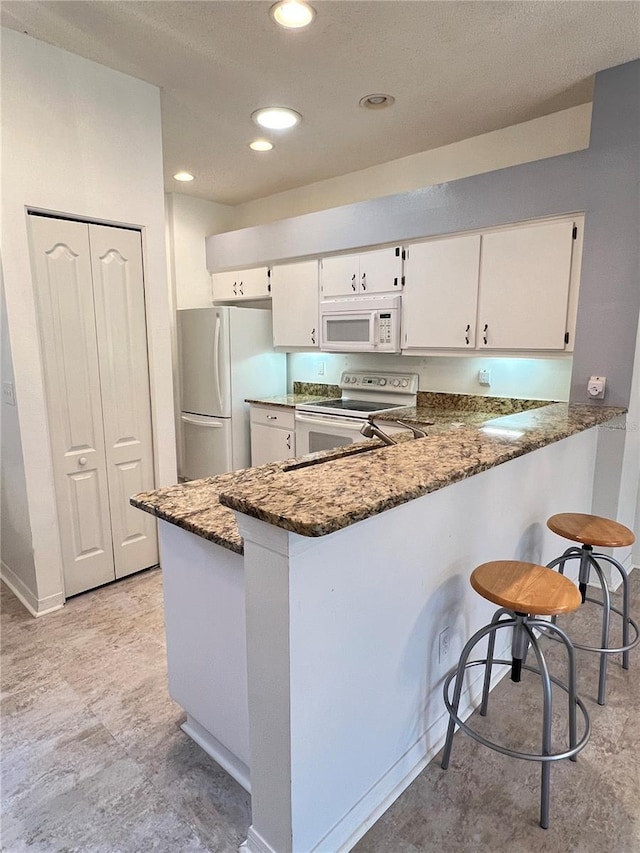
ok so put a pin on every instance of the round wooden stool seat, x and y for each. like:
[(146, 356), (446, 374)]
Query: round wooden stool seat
[(525, 588), (591, 530)]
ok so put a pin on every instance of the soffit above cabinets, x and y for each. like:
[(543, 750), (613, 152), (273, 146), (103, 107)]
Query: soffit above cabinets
[(456, 70)]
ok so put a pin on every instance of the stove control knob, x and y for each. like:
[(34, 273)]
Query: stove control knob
[(347, 379), (404, 383), (382, 382), (396, 382)]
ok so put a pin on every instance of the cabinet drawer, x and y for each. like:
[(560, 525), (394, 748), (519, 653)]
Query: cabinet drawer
[(277, 416)]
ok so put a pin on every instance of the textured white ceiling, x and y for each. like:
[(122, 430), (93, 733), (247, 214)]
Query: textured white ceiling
[(456, 69)]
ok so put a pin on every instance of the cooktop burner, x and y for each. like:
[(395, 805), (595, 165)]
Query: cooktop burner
[(342, 405)]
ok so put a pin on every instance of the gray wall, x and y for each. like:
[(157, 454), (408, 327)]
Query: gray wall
[(604, 181)]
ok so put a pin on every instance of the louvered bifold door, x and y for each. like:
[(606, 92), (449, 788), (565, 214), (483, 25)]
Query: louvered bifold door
[(62, 276), (118, 285)]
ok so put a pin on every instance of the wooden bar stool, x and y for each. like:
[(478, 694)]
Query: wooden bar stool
[(524, 592), (590, 531)]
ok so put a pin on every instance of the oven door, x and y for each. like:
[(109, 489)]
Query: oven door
[(324, 432)]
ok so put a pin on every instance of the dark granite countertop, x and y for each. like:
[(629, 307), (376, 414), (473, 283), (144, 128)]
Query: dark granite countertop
[(321, 493)]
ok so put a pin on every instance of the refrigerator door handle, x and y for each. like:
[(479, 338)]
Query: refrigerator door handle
[(202, 420), (216, 349)]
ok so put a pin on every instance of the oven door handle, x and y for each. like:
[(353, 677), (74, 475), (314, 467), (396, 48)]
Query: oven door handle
[(327, 420)]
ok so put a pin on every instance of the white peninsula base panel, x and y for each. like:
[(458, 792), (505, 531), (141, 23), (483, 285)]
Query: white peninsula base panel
[(313, 665), (206, 644), (345, 681)]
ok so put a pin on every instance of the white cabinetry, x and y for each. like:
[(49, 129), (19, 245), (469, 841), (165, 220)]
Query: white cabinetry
[(243, 284), (294, 291), (441, 293), (524, 287), (378, 271), (512, 289), (273, 435)]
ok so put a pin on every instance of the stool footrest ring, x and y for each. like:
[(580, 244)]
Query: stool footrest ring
[(609, 650), (526, 756)]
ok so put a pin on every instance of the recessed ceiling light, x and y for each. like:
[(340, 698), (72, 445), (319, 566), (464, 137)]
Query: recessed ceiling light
[(292, 14), (261, 145), (376, 102), (276, 118), (183, 176)]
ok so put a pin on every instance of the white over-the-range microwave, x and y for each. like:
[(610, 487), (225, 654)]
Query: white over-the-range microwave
[(360, 324)]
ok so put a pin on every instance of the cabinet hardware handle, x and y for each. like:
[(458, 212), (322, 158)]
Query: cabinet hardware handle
[(485, 330), (313, 336), (364, 281), (82, 460), (241, 290), (235, 289), (272, 417), (289, 441), (466, 334), (353, 282), (395, 282)]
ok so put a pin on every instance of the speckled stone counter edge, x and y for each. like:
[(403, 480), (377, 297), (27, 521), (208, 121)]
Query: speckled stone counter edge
[(291, 495)]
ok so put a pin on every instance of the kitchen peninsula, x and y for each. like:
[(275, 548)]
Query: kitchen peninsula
[(304, 603)]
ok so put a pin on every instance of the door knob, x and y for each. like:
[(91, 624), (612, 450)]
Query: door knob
[(82, 460)]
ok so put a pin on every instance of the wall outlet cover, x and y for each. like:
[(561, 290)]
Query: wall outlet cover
[(484, 377)]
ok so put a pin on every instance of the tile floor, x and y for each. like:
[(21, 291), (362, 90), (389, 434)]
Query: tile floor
[(93, 758)]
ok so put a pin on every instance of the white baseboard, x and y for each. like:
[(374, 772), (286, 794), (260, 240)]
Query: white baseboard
[(255, 843), (220, 754), (36, 606)]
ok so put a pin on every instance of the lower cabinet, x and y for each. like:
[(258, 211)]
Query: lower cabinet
[(273, 435)]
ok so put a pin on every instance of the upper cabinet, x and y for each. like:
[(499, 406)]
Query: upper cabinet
[(294, 292), (511, 289), (244, 284), (378, 271), (441, 293), (525, 275)]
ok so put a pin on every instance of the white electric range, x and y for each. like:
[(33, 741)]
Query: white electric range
[(337, 422)]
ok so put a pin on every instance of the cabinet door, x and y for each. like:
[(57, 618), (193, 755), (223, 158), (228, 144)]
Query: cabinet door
[(271, 444), (254, 284), (224, 286), (440, 293), (524, 287), (339, 276), (294, 291), (381, 271)]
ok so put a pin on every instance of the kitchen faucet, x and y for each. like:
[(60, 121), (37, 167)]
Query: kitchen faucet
[(370, 429)]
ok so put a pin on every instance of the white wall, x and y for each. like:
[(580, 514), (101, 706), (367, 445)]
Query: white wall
[(548, 136), (82, 140), (15, 530)]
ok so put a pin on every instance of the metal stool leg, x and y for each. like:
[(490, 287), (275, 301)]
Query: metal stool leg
[(604, 642), (545, 786), (626, 614), (459, 680), (489, 665)]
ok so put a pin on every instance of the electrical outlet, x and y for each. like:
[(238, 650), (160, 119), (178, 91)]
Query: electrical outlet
[(443, 645), (321, 367), (484, 377), (596, 387), (8, 394)]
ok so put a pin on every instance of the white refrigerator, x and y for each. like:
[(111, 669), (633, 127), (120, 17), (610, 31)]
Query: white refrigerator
[(225, 355)]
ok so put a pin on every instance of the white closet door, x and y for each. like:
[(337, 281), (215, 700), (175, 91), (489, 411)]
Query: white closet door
[(62, 273), (116, 259)]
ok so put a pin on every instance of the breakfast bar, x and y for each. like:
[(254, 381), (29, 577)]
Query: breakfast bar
[(306, 602)]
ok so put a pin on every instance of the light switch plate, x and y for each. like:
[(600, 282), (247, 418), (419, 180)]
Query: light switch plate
[(8, 394), (484, 377)]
